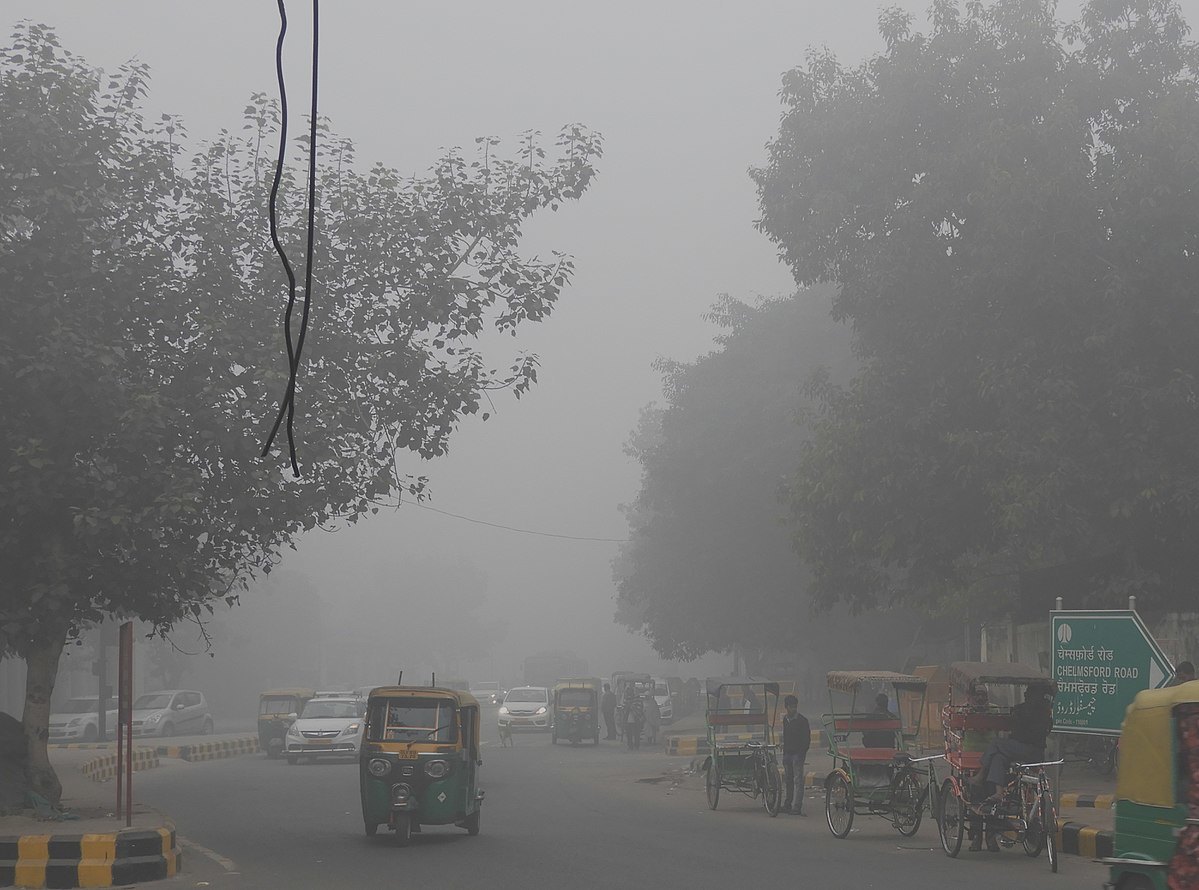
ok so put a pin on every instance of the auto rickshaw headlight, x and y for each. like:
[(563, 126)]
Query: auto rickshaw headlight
[(378, 767), (400, 793), (436, 768)]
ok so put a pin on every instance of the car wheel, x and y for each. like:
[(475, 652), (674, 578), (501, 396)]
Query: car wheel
[(90, 733), (208, 727), (167, 731), (292, 760)]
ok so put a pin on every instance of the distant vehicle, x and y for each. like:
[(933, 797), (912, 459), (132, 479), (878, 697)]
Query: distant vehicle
[(79, 720), (488, 692), (171, 712), (327, 727), (664, 699), (527, 707), (544, 670), (277, 708), (335, 693)]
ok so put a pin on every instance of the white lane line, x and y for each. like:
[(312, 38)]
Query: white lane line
[(226, 864)]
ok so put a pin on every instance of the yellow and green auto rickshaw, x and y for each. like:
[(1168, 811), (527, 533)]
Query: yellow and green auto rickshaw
[(420, 760), (576, 710), (1157, 792), (277, 710)]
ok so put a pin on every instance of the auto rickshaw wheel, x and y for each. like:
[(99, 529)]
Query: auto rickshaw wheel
[(372, 828), (595, 740), (553, 738), (292, 760), (403, 829), (953, 819), (712, 785), (838, 805), (471, 823)]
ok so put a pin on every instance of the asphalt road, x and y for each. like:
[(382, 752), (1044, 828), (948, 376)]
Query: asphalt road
[(554, 816)]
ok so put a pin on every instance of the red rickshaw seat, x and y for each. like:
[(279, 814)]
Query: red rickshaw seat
[(970, 761), (869, 755)]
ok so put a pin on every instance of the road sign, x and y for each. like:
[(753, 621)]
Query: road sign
[(1101, 660)]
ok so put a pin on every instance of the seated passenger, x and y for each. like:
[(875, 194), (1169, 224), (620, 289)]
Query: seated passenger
[(880, 738), (1032, 721), (978, 702)]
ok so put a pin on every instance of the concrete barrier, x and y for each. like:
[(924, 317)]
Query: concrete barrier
[(211, 750), (101, 769), (89, 860)]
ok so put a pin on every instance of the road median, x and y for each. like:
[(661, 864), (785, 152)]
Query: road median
[(108, 859)]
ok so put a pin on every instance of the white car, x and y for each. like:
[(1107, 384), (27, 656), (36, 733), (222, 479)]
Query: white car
[(665, 703), (527, 707), (327, 727), (172, 712), (79, 721)]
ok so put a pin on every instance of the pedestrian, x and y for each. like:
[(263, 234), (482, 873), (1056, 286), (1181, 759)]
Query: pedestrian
[(608, 707), (1184, 673), (797, 738), (653, 718)]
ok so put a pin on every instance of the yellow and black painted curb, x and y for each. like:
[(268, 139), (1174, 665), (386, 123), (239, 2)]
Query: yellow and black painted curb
[(211, 750), (1084, 840), (101, 769), (1088, 801), (82, 746), (89, 860)]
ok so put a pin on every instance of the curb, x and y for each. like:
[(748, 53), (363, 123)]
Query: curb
[(1085, 840), (101, 769), (81, 746), (89, 860), (210, 750), (1092, 801)]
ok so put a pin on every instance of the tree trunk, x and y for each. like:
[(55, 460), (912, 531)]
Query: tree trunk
[(42, 663)]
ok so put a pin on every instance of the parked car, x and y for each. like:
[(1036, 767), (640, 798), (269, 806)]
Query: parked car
[(664, 699), (327, 727), (79, 720), (527, 707), (487, 692), (172, 712)]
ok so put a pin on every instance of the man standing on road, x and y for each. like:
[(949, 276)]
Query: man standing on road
[(608, 707), (797, 738)]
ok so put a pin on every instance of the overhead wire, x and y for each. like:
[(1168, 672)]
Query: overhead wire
[(510, 528)]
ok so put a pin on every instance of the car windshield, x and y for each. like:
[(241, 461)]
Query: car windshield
[(327, 708), (80, 706), (661, 689), (527, 695), (574, 698), (412, 720), (277, 705), (152, 702)]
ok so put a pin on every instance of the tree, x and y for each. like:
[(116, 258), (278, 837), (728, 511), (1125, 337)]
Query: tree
[(708, 564), (1009, 209), (142, 351)]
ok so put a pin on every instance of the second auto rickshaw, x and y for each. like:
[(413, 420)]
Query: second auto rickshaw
[(576, 711), (420, 760), (277, 710)]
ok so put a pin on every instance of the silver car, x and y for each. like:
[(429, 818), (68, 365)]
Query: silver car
[(79, 721), (527, 707), (327, 727), (171, 712)]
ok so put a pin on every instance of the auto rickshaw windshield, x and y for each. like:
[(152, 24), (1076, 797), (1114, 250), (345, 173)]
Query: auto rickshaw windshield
[(277, 705), (412, 720), (574, 698)]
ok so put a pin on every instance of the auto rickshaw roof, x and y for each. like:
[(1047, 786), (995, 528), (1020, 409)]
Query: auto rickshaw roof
[(578, 683), (1147, 747), (460, 698), (294, 692), (963, 674), (852, 681), (715, 684)]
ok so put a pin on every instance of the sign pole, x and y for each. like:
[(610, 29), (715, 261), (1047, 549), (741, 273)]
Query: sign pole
[(125, 718)]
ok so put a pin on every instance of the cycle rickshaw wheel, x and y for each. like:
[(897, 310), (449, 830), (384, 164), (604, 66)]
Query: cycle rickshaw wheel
[(772, 797), (953, 819), (1049, 829), (907, 807), (838, 805), (712, 785)]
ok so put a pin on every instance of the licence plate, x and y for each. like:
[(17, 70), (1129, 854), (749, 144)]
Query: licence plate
[(318, 743), (408, 755)]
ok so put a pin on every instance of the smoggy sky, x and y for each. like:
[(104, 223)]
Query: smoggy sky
[(685, 94)]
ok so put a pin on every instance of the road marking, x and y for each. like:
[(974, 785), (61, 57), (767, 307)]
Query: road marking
[(226, 864)]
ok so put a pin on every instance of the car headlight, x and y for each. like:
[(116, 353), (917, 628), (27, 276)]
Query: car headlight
[(541, 710), (292, 731), (350, 730), (378, 767), (76, 721), (503, 709), (154, 718), (400, 793)]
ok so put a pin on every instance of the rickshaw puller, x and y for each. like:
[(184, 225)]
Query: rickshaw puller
[(1032, 721)]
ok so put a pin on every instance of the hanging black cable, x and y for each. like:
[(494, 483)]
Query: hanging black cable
[(287, 405)]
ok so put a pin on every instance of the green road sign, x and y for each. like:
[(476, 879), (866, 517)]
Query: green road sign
[(1101, 660)]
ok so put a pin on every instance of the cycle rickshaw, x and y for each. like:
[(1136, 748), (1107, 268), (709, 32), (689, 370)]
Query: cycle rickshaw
[(744, 756), (1027, 815), (874, 770)]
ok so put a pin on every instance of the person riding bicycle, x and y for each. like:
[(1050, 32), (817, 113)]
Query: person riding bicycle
[(1032, 721)]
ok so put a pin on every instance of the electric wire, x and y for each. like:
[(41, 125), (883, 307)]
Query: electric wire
[(287, 405), (523, 531)]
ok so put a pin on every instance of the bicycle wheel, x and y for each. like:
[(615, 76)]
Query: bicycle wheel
[(953, 819), (838, 805), (1049, 827), (907, 808), (772, 794), (712, 785), (1033, 837)]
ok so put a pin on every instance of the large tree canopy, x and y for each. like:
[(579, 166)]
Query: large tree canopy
[(142, 353), (708, 564), (1011, 211)]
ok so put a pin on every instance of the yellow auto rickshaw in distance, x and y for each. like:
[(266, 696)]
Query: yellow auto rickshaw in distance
[(1157, 792), (576, 710), (277, 710), (420, 760)]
